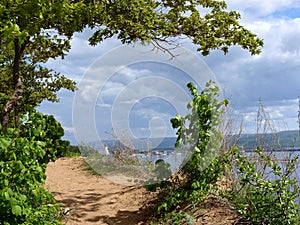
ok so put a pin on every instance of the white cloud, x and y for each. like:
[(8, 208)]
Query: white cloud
[(81, 55), (130, 101), (104, 105), (69, 129), (93, 82), (258, 8), (281, 39), (149, 113), (127, 74), (272, 76), (281, 115), (111, 89)]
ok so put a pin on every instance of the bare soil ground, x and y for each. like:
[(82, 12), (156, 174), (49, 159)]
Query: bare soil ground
[(95, 200)]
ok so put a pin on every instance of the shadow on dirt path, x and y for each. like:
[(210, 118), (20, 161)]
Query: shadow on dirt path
[(93, 199)]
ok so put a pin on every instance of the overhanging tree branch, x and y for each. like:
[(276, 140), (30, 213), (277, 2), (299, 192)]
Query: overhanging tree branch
[(130, 21)]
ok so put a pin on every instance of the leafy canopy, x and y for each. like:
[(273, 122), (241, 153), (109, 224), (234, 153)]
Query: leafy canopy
[(34, 31)]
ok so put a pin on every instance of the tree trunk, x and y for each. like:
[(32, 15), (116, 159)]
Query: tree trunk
[(18, 90)]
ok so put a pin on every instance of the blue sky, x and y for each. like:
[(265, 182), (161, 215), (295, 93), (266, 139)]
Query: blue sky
[(156, 90)]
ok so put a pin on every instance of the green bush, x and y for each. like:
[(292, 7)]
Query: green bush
[(175, 218), (71, 151), (197, 131), (259, 199), (263, 200), (86, 151), (24, 154), (162, 171), (46, 129)]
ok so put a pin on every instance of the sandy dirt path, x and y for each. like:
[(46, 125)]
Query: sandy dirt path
[(93, 199)]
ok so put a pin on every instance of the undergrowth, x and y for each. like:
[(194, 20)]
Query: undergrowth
[(24, 154), (264, 200), (262, 193)]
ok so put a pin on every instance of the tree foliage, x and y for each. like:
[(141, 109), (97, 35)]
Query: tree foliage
[(32, 32), (28, 39)]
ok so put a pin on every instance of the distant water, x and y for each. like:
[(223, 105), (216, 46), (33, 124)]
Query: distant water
[(177, 158), (163, 148), (174, 158), (282, 157)]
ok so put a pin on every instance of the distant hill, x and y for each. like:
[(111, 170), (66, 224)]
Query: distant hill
[(275, 141), (145, 144)]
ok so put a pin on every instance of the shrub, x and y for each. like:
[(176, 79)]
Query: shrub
[(71, 151), (198, 131), (24, 154), (46, 129), (261, 200)]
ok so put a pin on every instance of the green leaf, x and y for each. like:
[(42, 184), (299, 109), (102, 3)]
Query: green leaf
[(17, 210), (6, 183), (6, 195), (4, 142), (23, 198), (197, 150)]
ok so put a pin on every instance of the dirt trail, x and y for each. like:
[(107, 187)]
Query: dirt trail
[(93, 199)]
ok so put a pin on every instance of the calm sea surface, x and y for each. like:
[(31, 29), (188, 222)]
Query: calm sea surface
[(176, 159)]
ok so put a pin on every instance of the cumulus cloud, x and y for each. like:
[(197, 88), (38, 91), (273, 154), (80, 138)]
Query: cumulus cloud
[(82, 55), (258, 8), (272, 76), (281, 115), (69, 129)]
